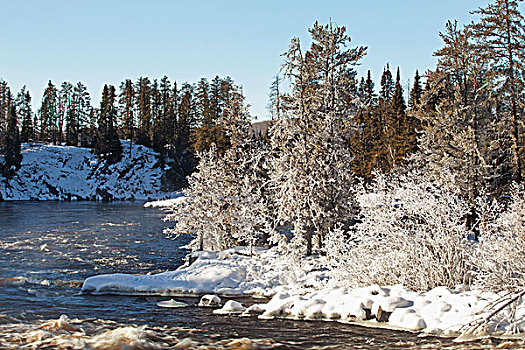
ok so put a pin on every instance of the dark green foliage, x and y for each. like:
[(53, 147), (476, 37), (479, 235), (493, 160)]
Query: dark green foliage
[(49, 115), (23, 102), (107, 145), (11, 156)]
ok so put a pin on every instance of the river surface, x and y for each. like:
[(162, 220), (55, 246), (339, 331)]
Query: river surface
[(47, 249)]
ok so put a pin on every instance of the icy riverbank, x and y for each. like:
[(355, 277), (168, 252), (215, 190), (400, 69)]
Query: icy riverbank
[(73, 173), (307, 291)]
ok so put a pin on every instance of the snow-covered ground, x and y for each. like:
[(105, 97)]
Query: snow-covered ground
[(59, 172), (306, 291)]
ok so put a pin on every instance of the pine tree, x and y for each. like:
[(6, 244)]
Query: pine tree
[(49, 114), (416, 92), (126, 106), (312, 157), (79, 119), (65, 111), (456, 113), (274, 104), (143, 105), (500, 35), (368, 90), (10, 142), (107, 144), (387, 84), (23, 103)]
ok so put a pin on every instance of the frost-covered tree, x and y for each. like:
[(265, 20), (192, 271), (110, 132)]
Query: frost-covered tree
[(501, 252), (456, 112), (312, 160), (410, 231), (500, 35), (227, 199)]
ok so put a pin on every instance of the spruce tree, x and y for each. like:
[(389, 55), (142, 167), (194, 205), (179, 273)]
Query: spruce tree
[(311, 174), (66, 114), (10, 143), (49, 115), (416, 92), (23, 103), (107, 144), (78, 123), (274, 104), (126, 106), (143, 106)]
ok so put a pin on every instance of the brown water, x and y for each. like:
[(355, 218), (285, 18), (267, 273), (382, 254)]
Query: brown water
[(48, 248)]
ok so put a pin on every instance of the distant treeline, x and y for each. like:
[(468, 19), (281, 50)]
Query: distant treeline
[(176, 121)]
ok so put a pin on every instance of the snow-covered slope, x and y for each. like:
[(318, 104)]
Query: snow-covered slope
[(59, 172)]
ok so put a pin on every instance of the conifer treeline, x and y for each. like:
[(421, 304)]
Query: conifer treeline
[(176, 122)]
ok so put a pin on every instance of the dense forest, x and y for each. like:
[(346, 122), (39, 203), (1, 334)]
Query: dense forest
[(177, 122)]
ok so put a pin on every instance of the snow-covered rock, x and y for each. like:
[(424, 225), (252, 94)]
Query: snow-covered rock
[(230, 307), (52, 172), (171, 304), (210, 300)]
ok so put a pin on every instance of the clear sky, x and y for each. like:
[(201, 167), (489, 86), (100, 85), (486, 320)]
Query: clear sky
[(108, 41)]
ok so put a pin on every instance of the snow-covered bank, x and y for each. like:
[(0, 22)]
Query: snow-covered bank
[(307, 292), (58, 172), (230, 271)]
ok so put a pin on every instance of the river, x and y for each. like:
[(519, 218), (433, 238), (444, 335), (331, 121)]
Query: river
[(47, 249)]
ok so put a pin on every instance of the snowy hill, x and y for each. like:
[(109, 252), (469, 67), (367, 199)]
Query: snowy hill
[(60, 173)]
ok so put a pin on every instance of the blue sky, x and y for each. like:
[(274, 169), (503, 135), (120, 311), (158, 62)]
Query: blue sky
[(108, 41)]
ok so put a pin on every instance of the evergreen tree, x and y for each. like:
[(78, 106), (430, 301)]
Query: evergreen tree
[(65, 111), (274, 105), (10, 142), (500, 35), (126, 106), (143, 105), (456, 112), (312, 157), (416, 92), (78, 122), (108, 145), (49, 114), (368, 90), (387, 84), (23, 103)]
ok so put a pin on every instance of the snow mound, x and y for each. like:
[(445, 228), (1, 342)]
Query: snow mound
[(52, 172), (231, 307), (171, 304)]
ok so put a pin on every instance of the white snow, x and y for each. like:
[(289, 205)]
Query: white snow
[(165, 203), (306, 291), (230, 307), (52, 172), (210, 300), (171, 304)]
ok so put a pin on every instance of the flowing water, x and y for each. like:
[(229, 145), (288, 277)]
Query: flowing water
[(47, 249)]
